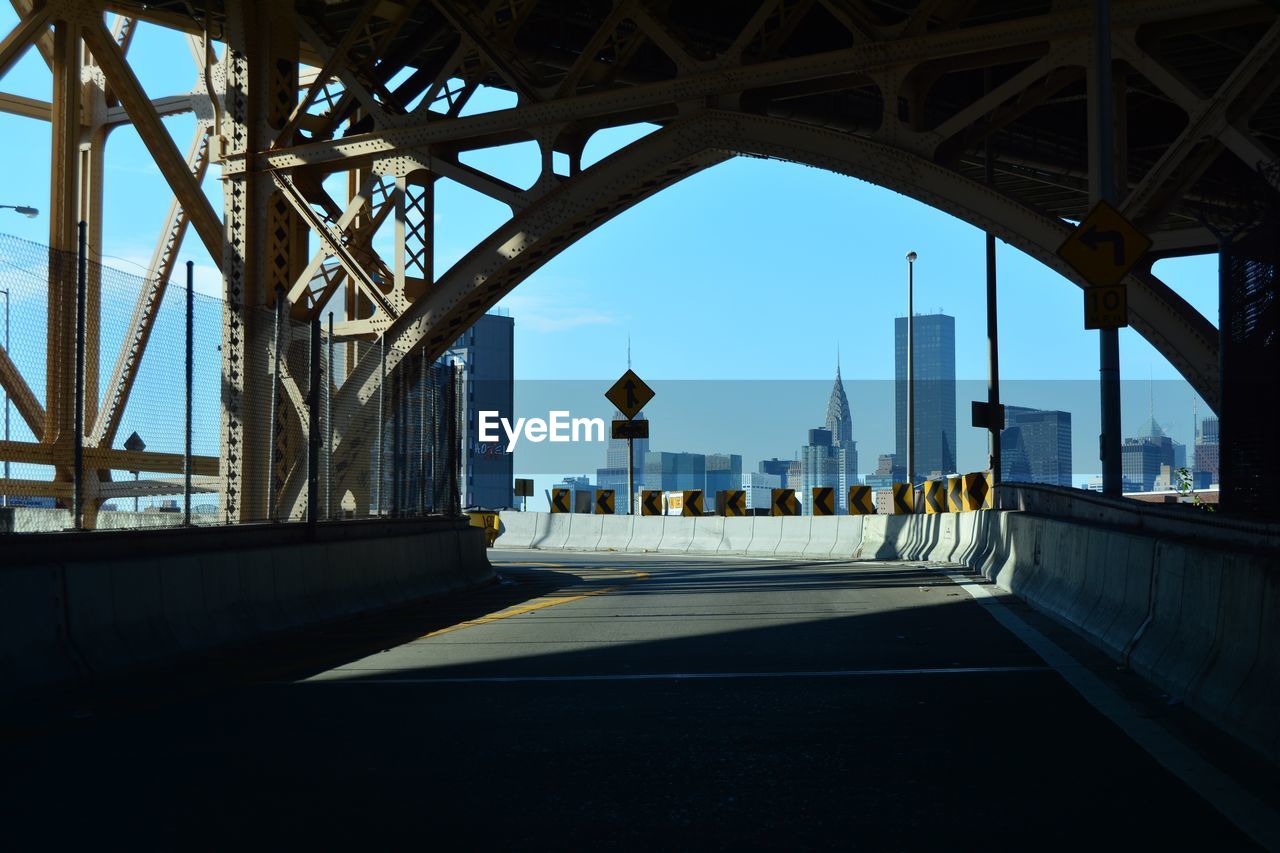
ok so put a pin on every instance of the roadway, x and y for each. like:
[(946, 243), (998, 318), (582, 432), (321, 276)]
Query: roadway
[(612, 701)]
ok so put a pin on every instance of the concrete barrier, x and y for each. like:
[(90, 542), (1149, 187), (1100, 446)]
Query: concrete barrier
[(848, 537), (516, 529), (116, 604), (615, 532), (822, 536), (646, 533), (34, 649), (708, 534), (737, 537), (793, 535), (584, 532), (552, 531), (677, 534), (765, 535)]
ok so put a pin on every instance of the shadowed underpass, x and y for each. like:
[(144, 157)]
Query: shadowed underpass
[(619, 702)]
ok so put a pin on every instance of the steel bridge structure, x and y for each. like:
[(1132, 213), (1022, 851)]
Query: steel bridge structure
[(912, 95)]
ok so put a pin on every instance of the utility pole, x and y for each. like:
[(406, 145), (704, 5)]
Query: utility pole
[(1103, 188)]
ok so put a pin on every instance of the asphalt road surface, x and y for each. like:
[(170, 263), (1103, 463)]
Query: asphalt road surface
[(615, 702)]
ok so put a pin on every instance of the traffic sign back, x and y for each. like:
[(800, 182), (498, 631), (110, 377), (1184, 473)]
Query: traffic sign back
[(629, 394)]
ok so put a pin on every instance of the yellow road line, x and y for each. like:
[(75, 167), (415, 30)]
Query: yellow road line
[(537, 604)]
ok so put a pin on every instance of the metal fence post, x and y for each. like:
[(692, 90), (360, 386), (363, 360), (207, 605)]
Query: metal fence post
[(271, 430), (423, 388), (186, 453), (77, 502), (313, 432), (382, 413), (328, 421)]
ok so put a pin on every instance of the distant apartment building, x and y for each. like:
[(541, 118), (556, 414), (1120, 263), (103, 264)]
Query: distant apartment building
[(887, 472), (724, 472), (1205, 461), (778, 467), (822, 464), (1035, 446), (675, 471), (934, 369), (759, 488), (1143, 456)]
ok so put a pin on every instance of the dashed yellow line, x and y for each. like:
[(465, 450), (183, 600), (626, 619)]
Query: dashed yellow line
[(539, 603)]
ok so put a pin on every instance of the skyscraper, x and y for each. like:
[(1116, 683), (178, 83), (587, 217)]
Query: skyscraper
[(1144, 455), (486, 353), (935, 393), (1205, 472), (724, 471), (839, 423), (1035, 446)]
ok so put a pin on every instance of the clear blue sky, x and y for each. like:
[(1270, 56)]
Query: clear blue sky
[(752, 270)]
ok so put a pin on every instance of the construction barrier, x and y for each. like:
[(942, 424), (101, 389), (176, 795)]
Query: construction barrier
[(731, 503), (978, 493), (904, 499), (823, 501), (783, 502), (650, 502), (860, 502), (561, 500), (488, 522), (935, 496), (955, 493)]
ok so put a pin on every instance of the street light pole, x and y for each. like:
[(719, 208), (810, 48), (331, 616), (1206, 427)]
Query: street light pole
[(29, 212), (911, 371)]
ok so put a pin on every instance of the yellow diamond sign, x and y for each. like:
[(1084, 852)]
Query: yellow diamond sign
[(1104, 247), (629, 394)]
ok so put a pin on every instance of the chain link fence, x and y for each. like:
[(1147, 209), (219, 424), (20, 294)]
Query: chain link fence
[(135, 367)]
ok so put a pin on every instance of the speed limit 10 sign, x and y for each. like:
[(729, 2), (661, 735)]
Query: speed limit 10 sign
[(1106, 307)]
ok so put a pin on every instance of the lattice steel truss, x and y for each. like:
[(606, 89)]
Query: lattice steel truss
[(902, 94)]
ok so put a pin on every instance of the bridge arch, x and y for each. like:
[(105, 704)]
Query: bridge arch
[(577, 205)]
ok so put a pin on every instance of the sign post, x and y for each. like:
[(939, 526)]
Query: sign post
[(630, 394)]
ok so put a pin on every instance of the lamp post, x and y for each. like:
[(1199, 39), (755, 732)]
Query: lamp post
[(911, 371)]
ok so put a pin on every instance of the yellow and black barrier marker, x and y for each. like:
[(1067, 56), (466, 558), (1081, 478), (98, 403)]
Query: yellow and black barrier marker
[(604, 502), (904, 499), (978, 493), (692, 503), (824, 500), (731, 503), (955, 494), (860, 502), (560, 499), (935, 496), (784, 502), (650, 502), (488, 522)]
